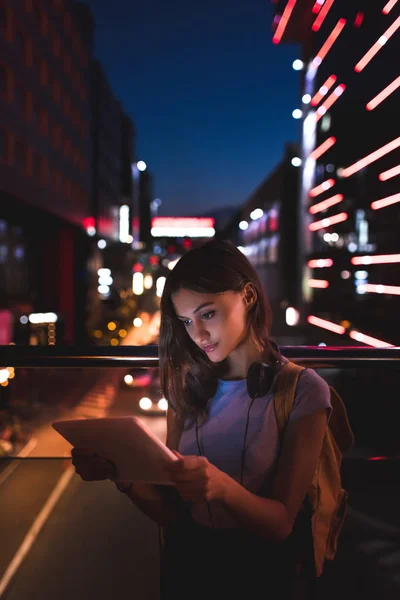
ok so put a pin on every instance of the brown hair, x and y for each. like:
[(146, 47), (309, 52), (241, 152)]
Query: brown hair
[(188, 377)]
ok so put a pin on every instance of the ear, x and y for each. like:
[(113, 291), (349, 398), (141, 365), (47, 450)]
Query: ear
[(249, 295)]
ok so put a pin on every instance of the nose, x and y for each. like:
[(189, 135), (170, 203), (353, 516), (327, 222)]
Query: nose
[(200, 333)]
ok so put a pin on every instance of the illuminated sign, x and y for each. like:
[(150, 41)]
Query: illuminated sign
[(182, 226)]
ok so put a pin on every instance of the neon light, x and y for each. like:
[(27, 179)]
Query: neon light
[(326, 324), (359, 19), (323, 90), (319, 189), (283, 21), (377, 46), (328, 222), (325, 204), (318, 283), (388, 7), (390, 173), (317, 6), (323, 147), (322, 14), (383, 202), (374, 288), (329, 42), (337, 92), (320, 263), (378, 259), (370, 158), (368, 340), (383, 94)]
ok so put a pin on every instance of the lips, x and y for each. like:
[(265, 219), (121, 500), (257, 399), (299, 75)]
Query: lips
[(209, 348)]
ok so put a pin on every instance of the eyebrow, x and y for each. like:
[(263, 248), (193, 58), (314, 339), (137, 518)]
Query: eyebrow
[(198, 308)]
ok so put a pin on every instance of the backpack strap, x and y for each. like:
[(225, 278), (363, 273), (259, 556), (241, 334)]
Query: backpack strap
[(284, 394)]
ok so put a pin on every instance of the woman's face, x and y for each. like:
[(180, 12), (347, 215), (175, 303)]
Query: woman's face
[(215, 322)]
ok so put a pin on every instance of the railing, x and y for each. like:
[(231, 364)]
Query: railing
[(46, 507), (147, 356)]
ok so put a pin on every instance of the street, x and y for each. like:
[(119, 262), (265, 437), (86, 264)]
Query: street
[(93, 543)]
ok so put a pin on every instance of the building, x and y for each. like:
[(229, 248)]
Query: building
[(45, 159), (348, 204), (264, 228)]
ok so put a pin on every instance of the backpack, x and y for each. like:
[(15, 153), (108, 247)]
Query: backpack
[(326, 498)]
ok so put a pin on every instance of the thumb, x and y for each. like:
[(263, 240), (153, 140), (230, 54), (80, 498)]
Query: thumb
[(177, 454)]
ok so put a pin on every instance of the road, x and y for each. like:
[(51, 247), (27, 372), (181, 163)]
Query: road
[(93, 543)]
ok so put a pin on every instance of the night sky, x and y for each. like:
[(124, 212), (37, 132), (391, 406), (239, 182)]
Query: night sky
[(210, 95)]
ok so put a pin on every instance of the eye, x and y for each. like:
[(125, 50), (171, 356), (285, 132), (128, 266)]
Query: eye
[(209, 315), (186, 322)]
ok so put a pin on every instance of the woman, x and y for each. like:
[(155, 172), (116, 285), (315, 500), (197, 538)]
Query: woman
[(233, 524)]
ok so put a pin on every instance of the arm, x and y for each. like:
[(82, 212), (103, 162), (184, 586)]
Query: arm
[(159, 502), (274, 517)]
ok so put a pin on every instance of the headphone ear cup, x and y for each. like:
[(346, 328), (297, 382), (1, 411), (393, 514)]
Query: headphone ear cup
[(260, 377)]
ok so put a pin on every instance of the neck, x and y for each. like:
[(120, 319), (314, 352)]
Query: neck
[(238, 362)]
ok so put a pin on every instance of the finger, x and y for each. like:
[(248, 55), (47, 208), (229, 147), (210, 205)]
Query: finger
[(188, 475)]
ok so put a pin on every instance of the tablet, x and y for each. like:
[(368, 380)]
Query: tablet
[(137, 453)]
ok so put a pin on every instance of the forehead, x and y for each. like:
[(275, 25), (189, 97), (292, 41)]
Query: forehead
[(186, 301)]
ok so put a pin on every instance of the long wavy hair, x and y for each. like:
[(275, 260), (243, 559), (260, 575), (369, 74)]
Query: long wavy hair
[(188, 378)]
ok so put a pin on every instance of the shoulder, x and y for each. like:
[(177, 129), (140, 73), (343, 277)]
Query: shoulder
[(312, 393)]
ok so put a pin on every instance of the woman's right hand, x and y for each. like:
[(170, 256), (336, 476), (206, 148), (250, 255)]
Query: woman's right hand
[(90, 466)]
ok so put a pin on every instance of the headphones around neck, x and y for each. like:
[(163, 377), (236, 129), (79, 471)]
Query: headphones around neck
[(260, 377)]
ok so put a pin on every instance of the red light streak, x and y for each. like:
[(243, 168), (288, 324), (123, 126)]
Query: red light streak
[(317, 6), (388, 7), (370, 158), (319, 189), (359, 19), (377, 46), (325, 204), (318, 283), (390, 173), (378, 259), (368, 340), (322, 14), (329, 42), (323, 90), (374, 288), (383, 202), (323, 147), (328, 221), (383, 94), (337, 92), (283, 21), (320, 263), (326, 324)]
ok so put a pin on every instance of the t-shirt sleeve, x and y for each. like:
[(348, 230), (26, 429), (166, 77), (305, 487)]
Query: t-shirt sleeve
[(312, 393)]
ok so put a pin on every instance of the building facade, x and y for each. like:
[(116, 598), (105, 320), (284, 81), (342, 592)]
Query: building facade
[(348, 205), (264, 228)]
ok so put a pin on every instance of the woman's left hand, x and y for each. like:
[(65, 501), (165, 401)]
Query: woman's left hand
[(197, 480)]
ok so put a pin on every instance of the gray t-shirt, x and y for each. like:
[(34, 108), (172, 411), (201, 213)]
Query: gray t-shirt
[(222, 435)]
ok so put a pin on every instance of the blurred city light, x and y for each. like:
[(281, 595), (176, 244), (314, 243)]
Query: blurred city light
[(298, 64), (141, 165), (297, 113), (296, 161)]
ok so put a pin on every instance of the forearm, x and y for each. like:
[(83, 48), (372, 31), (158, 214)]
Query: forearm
[(263, 516), (158, 503)]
